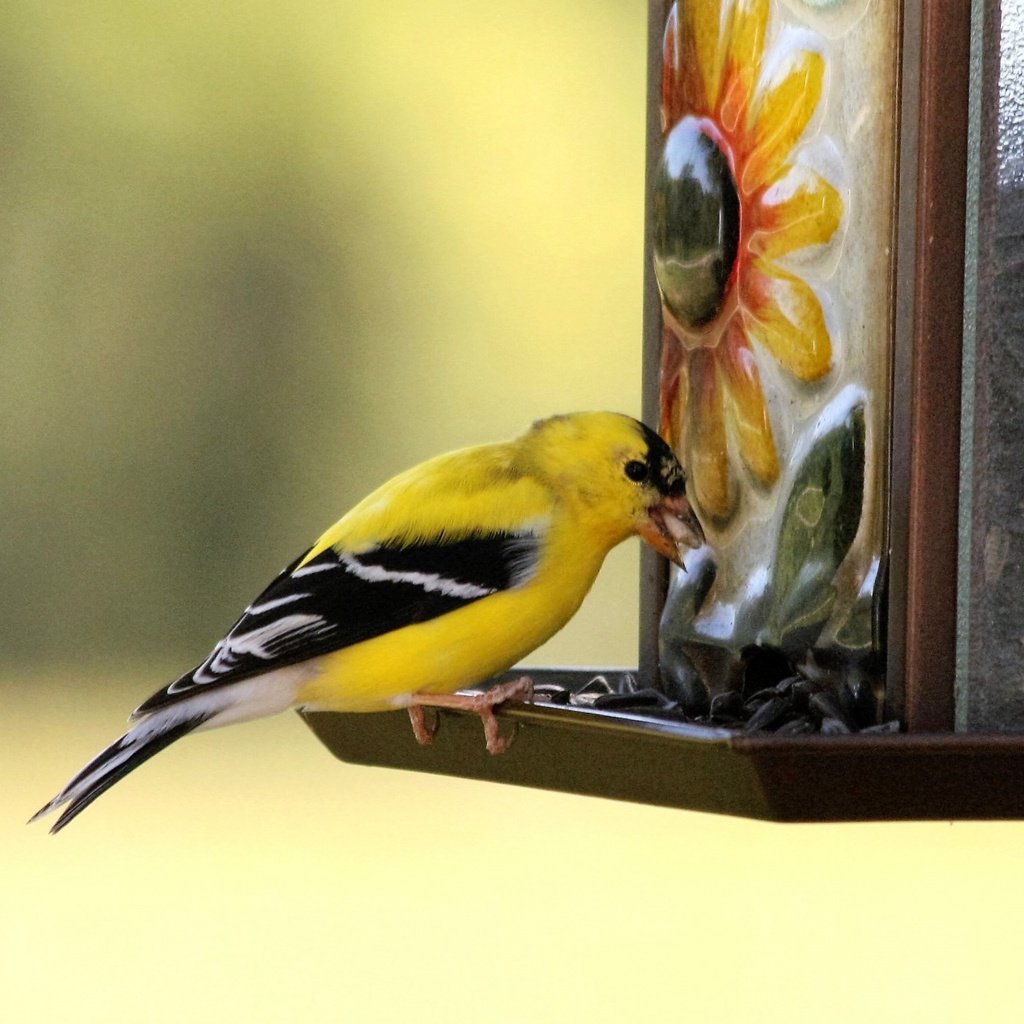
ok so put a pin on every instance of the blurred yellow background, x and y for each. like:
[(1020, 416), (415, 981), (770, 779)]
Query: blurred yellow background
[(257, 257)]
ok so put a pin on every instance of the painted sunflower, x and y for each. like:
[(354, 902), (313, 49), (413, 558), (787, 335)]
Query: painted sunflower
[(729, 202)]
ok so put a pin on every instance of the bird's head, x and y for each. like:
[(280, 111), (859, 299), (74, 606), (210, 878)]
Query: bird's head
[(624, 476)]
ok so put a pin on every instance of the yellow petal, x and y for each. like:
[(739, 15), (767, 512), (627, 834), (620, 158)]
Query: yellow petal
[(782, 312), (672, 100), (745, 406), (741, 63), (708, 462), (705, 22), (800, 209), (788, 102), (672, 386), (682, 85)]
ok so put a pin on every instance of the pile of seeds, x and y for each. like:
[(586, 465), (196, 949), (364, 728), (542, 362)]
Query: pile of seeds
[(792, 707), (795, 705)]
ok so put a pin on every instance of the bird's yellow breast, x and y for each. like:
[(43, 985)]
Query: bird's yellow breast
[(455, 650)]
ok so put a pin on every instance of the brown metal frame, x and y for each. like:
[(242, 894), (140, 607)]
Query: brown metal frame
[(653, 568), (925, 481)]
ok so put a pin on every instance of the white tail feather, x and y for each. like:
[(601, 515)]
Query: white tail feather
[(247, 699)]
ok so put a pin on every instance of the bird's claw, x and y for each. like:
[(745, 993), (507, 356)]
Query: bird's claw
[(482, 704), (421, 729)]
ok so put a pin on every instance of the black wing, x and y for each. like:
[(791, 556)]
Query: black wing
[(338, 599)]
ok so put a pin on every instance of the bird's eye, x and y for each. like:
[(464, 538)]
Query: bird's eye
[(636, 471)]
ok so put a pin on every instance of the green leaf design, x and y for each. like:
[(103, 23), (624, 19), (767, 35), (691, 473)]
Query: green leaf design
[(819, 523)]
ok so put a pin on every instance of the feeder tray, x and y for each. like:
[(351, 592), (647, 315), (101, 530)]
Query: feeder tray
[(653, 760)]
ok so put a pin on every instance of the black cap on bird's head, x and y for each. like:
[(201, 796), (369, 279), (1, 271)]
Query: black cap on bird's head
[(665, 471)]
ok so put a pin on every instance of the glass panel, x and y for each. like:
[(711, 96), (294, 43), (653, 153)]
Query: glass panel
[(990, 696), (772, 226)]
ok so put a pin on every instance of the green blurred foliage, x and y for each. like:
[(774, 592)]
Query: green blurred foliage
[(257, 257)]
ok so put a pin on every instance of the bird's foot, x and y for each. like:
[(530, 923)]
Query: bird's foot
[(482, 704)]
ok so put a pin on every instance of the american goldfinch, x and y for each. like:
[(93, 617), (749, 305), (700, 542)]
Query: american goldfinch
[(445, 576)]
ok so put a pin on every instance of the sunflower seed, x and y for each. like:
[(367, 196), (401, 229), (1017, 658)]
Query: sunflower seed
[(796, 727), (645, 698), (726, 705), (883, 727), (768, 714), (834, 727), (826, 706)]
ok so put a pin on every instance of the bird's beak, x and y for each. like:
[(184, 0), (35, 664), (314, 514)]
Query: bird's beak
[(670, 523)]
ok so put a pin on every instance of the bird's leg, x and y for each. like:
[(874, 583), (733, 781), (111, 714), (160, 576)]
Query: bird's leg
[(482, 704), (424, 733)]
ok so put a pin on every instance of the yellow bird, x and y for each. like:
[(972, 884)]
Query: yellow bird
[(443, 577)]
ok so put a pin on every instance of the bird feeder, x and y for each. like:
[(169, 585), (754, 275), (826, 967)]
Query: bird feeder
[(834, 191)]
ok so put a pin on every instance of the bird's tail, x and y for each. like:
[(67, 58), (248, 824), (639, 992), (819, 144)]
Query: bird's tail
[(202, 708), (136, 746)]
